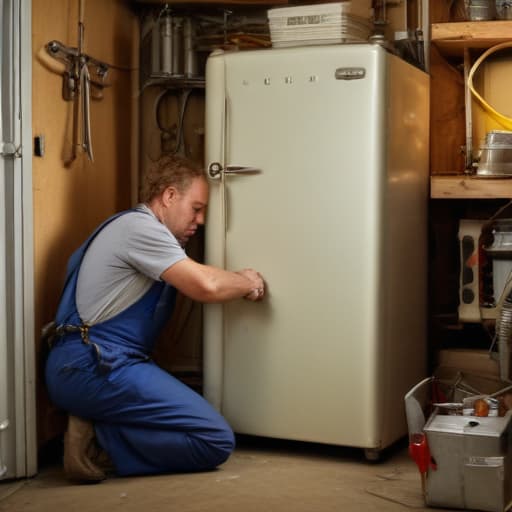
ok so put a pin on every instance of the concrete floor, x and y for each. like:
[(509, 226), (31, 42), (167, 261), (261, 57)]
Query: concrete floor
[(262, 475)]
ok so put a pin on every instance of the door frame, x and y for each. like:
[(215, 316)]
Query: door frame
[(18, 440)]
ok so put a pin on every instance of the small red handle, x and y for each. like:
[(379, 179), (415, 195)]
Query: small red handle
[(419, 451)]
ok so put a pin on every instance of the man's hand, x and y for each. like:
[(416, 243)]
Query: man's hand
[(209, 284), (258, 285)]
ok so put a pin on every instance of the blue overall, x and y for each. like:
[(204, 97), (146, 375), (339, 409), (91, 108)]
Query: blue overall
[(145, 419)]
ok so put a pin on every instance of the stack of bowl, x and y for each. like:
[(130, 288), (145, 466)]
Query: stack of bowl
[(496, 154)]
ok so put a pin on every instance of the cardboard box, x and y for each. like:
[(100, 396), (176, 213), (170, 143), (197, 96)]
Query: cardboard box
[(469, 360)]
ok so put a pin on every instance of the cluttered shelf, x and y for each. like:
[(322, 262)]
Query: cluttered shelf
[(469, 187), (452, 38)]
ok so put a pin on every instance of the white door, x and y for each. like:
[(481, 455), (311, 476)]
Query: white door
[(17, 375), (309, 221)]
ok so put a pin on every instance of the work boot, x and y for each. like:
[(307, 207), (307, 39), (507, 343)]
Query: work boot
[(77, 441), (100, 458)]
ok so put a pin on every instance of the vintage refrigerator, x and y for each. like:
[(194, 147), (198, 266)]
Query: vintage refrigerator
[(317, 159)]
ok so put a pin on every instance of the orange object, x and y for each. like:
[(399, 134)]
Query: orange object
[(481, 407)]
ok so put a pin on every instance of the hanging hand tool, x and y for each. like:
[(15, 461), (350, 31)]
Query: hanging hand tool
[(77, 87), (77, 82), (85, 80), (71, 59)]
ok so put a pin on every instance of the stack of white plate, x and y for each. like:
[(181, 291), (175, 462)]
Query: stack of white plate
[(316, 24)]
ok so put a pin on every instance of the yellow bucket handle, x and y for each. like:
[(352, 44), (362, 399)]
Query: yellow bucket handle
[(500, 118)]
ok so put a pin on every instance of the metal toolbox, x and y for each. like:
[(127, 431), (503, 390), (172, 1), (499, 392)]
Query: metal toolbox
[(470, 457), (473, 462)]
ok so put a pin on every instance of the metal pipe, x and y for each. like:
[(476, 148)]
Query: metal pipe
[(166, 44), (469, 115), (189, 53), (504, 332), (177, 47)]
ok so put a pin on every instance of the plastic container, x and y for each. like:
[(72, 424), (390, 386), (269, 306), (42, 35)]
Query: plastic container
[(480, 10)]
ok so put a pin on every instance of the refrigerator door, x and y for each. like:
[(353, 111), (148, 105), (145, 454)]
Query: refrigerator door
[(17, 373), (307, 362)]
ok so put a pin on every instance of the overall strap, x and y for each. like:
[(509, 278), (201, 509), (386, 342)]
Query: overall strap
[(128, 334), (67, 311)]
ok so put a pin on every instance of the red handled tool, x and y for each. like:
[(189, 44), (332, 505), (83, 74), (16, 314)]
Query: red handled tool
[(420, 453)]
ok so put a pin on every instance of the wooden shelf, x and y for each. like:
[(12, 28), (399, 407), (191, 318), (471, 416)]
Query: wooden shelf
[(452, 38), (219, 3), (467, 187)]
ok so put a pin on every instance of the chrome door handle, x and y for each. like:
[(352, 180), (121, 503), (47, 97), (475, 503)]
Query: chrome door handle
[(215, 169)]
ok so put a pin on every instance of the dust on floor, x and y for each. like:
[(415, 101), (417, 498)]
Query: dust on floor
[(262, 475)]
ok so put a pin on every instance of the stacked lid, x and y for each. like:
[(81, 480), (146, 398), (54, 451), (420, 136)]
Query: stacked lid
[(329, 23)]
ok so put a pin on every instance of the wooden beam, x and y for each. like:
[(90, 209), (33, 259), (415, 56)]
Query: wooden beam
[(216, 3), (452, 38), (469, 187)]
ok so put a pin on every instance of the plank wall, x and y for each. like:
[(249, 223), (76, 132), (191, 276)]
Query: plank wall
[(71, 198)]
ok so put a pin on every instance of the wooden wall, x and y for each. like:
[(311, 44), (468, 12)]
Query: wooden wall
[(447, 107), (71, 198)]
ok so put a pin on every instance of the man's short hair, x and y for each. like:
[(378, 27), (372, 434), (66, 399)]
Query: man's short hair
[(169, 171)]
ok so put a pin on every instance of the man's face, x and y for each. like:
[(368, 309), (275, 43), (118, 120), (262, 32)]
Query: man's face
[(186, 211)]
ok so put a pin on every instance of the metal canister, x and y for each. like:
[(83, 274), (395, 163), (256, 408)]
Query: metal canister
[(480, 10), (504, 9), (189, 52), (177, 46), (166, 43)]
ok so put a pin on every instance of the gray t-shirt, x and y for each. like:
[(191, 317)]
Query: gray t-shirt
[(122, 262)]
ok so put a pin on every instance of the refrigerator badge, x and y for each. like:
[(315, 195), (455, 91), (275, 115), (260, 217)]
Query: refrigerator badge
[(349, 73)]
